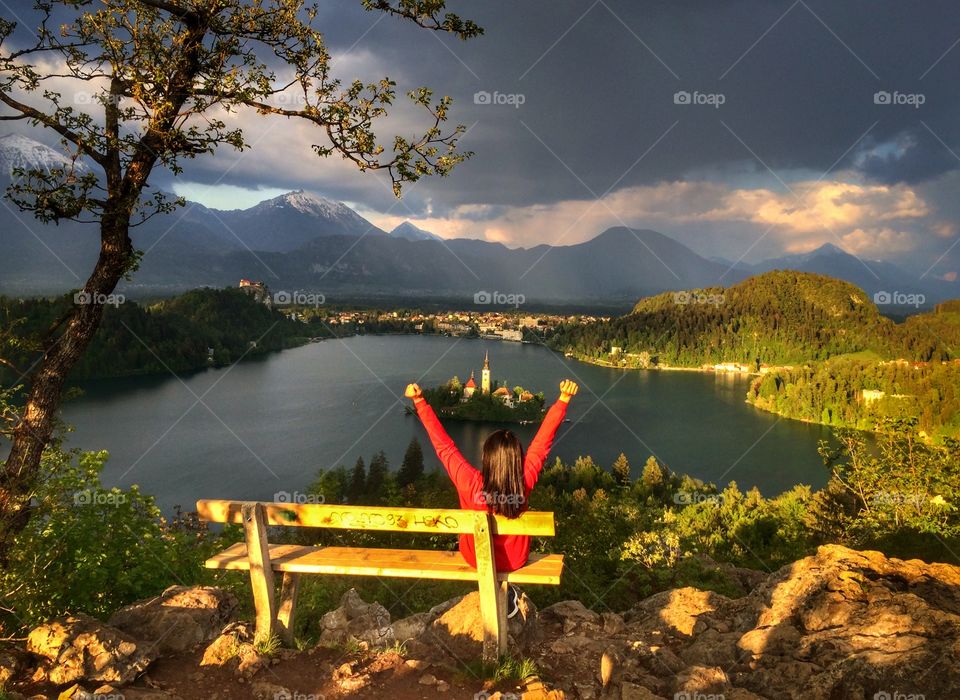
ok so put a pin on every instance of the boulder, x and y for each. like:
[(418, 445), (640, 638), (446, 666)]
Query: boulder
[(178, 619), (357, 619), (81, 648), (459, 631), (574, 616)]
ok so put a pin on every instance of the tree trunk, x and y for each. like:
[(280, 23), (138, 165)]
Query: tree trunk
[(33, 432)]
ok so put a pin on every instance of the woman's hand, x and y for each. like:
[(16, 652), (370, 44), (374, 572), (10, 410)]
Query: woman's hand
[(568, 389), (413, 391)]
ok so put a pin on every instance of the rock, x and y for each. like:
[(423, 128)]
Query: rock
[(459, 630), (411, 627), (270, 691), (226, 647), (632, 691), (702, 680), (10, 665), (79, 648), (178, 619), (574, 616), (417, 664), (357, 619), (428, 679), (677, 611), (442, 686)]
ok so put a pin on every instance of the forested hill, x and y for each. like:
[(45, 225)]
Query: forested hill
[(204, 327), (779, 317)]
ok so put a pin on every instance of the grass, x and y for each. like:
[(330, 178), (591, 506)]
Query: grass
[(398, 648), (267, 646), (507, 668)]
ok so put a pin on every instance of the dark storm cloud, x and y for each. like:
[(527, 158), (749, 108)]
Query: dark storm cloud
[(598, 80)]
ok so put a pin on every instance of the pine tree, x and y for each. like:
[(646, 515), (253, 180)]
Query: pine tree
[(412, 468), (358, 482), (377, 476), (653, 475), (621, 471)]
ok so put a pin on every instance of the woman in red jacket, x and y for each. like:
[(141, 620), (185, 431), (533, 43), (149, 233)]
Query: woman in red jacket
[(506, 480)]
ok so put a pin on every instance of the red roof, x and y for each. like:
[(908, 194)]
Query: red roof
[(470, 384)]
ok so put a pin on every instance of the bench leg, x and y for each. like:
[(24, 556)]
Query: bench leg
[(493, 595), (261, 573), (289, 590)]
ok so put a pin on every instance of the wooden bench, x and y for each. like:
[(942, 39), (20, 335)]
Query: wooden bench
[(261, 558)]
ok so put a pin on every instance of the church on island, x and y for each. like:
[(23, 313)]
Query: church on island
[(502, 393)]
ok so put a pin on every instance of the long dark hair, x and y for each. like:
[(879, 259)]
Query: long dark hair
[(503, 488)]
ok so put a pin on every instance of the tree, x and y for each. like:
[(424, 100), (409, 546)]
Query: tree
[(358, 482), (377, 476), (621, 471), (160, 78), (653, 475), (412, 468)]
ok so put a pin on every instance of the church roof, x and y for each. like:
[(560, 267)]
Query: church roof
[(471, 384)]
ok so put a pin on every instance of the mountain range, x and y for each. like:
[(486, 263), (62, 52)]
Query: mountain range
[(299, 240)]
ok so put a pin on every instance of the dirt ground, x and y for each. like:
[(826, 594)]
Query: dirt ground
[(316, 674)]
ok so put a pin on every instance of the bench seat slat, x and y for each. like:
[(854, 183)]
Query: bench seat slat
[(542, 569)]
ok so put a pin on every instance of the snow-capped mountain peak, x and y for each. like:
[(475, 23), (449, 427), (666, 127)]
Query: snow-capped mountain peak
[(17, 151)]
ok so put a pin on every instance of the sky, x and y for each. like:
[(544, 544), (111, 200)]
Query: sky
[(746, 129)]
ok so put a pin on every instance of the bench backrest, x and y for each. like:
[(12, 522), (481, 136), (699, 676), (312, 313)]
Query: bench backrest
[(396, 519)]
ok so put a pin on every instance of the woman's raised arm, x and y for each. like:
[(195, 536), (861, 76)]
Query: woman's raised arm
[(540, 447), (459, 469)]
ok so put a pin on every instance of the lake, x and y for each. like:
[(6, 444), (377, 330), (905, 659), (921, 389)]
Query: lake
[(268, 425)]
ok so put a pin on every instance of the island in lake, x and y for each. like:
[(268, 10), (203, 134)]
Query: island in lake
[(492, 401)]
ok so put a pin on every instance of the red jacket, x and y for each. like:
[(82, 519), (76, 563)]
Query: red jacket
[(510, 551)]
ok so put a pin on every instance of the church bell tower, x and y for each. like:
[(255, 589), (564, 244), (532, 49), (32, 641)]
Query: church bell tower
[(485, 374)]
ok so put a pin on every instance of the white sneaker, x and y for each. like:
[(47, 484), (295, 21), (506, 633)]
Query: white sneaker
[(513, 601)]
